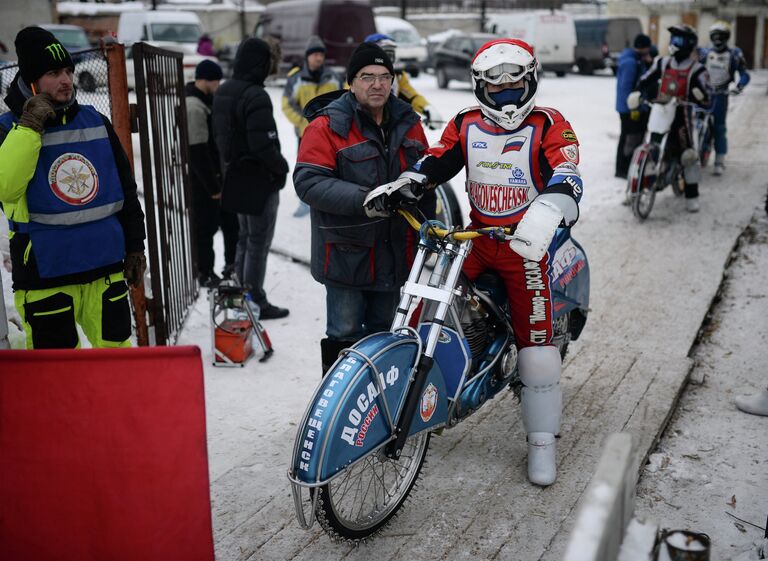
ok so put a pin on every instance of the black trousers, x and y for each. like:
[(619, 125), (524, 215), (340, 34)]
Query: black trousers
[(630, 137), (207, 217)]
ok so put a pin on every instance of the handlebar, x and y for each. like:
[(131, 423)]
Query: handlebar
[(461, 234)]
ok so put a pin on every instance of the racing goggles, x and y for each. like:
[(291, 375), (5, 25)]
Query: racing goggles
[(503, 73), (678, 41)]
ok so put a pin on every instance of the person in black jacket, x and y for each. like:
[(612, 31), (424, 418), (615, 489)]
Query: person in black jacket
[(254, 169), (205, 176), (66, 187)]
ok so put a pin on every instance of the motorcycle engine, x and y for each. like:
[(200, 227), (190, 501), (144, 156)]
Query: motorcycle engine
[(474, 324)]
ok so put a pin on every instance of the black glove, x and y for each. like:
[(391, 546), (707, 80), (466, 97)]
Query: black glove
[(134, 266), (36, 111)]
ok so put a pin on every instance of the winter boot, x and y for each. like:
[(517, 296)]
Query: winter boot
[(754, 404), (542, 458), (541, 400), (329, 351), (719, 165), (692, 205)]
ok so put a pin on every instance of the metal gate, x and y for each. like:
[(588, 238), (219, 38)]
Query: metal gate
[(162, 116)]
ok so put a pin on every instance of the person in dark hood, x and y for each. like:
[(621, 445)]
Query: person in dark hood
[(205, 176), (305, 83), (66, 187), (254, 169)]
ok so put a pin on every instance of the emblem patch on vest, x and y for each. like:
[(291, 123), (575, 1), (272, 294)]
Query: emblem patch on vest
[(73, 179)]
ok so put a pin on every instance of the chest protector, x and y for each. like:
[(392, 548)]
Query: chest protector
[(674, 81), (73, 197), (719, 69), (502, 166)]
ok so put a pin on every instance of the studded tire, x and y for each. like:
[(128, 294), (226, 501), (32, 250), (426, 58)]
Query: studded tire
[(362, 500)]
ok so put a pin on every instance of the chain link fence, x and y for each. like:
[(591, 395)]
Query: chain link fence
[(91, 79)]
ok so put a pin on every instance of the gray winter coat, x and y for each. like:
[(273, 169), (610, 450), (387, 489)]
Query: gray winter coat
[(341, 158)]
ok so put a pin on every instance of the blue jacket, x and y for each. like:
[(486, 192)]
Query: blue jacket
[(628, 69)]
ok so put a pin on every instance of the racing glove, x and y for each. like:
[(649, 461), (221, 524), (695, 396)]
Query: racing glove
[(434, 118), (36, 111), (134, 266), (406, 189), (535, 231), (737, 90), (633, 100)]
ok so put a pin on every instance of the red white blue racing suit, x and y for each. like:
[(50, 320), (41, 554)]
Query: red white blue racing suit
[(506, 171)]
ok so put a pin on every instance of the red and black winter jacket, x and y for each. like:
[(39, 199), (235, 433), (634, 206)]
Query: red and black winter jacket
[(343, 155)]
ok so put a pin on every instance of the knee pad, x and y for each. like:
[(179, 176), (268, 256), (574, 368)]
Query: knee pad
[(692, 174), (688, 157), (541, 397)]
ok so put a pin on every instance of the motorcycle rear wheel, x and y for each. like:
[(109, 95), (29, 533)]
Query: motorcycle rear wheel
[(562, 329), (368, 495), (642, 201)]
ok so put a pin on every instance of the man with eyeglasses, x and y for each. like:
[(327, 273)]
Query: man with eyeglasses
[(521, 163), (363, 138)]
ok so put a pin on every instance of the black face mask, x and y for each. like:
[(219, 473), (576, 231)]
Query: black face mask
[(719, 41)]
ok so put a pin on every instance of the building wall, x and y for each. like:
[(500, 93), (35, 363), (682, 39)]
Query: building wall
[(18, 14), (656, 16)]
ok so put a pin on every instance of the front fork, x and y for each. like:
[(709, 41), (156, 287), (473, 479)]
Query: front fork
[(441, 288)]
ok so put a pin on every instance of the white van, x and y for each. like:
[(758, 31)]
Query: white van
[(551, 32), (411, 48), (172, 30)]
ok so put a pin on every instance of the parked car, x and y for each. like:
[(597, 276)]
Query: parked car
[(599, 42), (411, 47), (341, 24), (90, 66), (172, 30), (453, 58), (551, 32)]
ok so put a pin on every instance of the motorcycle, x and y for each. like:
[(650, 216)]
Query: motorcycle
[(362, 441)]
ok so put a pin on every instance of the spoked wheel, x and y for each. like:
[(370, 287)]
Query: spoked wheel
[(645, 193), (364, 499), (562, 329), (705, 143), (448, 210)]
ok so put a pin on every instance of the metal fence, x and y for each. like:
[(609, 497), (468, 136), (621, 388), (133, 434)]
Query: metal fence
[(163, 136), (91, 79)]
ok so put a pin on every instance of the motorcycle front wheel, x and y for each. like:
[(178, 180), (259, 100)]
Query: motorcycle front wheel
[(368, 495), (643, 199), (447, 208)]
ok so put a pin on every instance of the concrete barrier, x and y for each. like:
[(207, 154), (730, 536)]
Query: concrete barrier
[(606, 506)]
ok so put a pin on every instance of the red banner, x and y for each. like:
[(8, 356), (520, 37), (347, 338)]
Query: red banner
[(103, 456)]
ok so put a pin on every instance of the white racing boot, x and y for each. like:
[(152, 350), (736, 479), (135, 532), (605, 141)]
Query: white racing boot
[(542, 458), (541, 402), (754, 404)]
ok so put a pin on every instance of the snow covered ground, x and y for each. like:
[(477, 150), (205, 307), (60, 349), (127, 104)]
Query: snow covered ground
[(652, 286), (710, 471)]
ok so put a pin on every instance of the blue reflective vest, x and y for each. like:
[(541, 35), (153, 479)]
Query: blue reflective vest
[(73, 197)]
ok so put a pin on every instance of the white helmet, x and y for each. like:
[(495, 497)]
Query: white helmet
[(502, 61)]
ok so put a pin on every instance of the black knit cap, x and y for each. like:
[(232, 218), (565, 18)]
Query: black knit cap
[(314, 45), (39, 52), (642, 41), (208, 70), (365, 54)]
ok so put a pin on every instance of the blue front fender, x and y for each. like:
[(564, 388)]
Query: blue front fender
[(349, 414)]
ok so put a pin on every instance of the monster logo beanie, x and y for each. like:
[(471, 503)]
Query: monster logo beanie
[(39, 52)]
